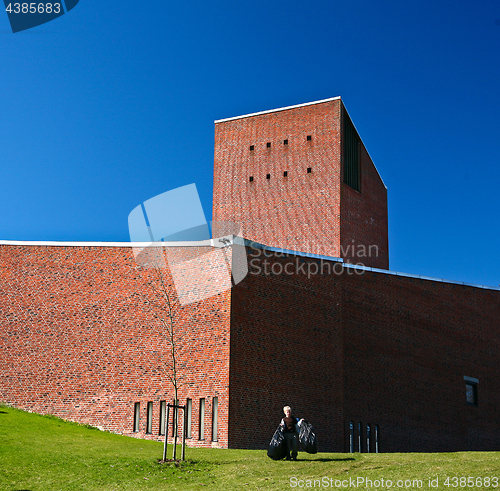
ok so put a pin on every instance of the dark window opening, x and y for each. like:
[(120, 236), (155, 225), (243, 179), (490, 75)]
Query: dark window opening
[(377, 437), (268, 144), (309, 138), (285, 174), (285, 142), (268, 176), (252, 147), (368, 428), (351, 437), (189, 416), (360, 437), (251, 179), (309, 170), (350, 149), (471, 393)]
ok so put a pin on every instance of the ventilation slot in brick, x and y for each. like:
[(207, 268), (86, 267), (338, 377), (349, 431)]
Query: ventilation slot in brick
[(309, 170), (285, 174), (285, 142), (252, 147), (251, 179), (268, 176), (268, 144), (309, 138)]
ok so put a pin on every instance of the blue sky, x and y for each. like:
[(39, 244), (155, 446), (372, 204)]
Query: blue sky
[(114, 103)]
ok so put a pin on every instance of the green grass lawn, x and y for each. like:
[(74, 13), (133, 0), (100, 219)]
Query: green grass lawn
[(43, 453)]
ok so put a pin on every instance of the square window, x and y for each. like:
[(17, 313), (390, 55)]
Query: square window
[(285, 174), (252, 147), (309, 170), (309, 138), (285, 142), (268, 144), (251, 179)]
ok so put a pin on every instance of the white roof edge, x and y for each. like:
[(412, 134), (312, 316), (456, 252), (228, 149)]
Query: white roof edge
[(211, 243), (277, 110), (49, 243), (251, 243), (293, 107), (420, 277)]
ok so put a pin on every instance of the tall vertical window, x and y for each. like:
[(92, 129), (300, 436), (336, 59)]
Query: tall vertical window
[(360, 437), (351, 437), (137, 413), (149, 418), (163, 409), (215, 417), (201, 428), (189, 413), (350, 149), (175, 422), (368, 431)]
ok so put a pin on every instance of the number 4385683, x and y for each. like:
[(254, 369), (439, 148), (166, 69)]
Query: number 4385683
[(34, 8)]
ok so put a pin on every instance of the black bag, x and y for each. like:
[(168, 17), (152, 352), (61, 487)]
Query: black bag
[(307, 438), (277, 446)]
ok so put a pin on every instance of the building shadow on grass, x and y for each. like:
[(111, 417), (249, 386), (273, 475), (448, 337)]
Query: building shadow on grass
[(326, 460)]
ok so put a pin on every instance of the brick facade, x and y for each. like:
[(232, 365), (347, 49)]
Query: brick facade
[(80, 340), (360, 346), (409, 343), (309, 211), (82, 333)]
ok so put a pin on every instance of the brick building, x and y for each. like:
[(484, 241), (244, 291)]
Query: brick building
[(301, 179), (376, 360)]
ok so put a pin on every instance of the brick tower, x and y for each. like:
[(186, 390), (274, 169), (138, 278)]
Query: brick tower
[(300, 178)]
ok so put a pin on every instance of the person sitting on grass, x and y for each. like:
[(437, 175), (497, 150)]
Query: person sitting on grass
[(291, 432)]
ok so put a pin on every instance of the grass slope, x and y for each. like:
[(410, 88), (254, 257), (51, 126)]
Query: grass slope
[(44, 453)]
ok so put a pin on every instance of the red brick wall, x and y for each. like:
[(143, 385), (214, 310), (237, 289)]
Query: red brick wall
[(309, 212), (408, 345), (286, 349), (298, 212), (79, 340), (366, 347), (363, 218)]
